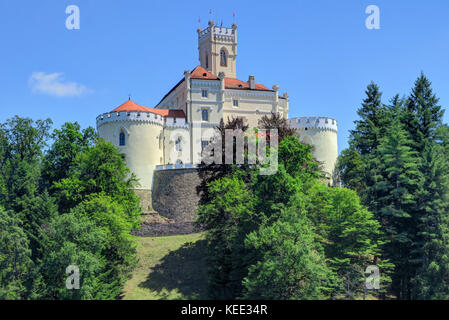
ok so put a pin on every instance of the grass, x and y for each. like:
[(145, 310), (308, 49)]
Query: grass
[(170, 268)]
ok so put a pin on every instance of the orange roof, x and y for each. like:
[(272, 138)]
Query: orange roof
[(239, 84), (200, 73), (129, 106)]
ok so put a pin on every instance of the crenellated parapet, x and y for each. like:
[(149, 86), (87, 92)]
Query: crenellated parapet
[(146, 117), (320, 123), (219, 33)]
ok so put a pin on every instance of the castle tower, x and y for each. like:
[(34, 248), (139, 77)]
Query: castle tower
[(321, 133), (217, 49)]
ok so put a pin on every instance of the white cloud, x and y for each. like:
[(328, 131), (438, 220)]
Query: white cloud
[(54, 84)]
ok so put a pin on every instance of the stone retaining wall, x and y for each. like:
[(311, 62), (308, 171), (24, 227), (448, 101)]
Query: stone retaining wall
[(174, 194)]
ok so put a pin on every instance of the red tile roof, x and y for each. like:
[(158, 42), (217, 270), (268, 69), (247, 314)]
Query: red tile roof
[(239, 84), (200, 73), (129, 106)]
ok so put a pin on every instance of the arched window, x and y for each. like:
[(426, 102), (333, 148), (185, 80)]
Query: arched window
[(223, 58), (122, 138), (207, 59), (178, 144)]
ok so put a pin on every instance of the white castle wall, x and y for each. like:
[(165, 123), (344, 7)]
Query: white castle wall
[(143, 149), (321, 133)]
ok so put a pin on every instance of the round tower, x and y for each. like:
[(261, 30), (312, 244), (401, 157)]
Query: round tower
[(321, 133), (137, 132)]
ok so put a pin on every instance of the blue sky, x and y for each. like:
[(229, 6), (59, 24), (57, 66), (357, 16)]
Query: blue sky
[(319, 51)]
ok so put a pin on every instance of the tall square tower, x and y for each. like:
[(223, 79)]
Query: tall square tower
[(217, 49)]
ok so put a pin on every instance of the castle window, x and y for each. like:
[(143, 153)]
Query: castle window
[(207, 60), (235, 103), (204, 144), (205, 115), (178, 145), (223, 58), (204, 93), (122, 138)]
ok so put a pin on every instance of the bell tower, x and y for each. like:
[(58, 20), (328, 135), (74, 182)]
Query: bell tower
[(217, 49)]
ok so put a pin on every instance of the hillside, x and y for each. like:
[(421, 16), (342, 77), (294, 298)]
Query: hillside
[(171, 267)]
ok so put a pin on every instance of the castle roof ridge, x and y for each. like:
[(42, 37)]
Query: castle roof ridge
[(130, 106)]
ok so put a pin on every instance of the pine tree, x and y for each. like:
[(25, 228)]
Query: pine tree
[(423, 114), (397, 204), (367, 133), (432, 281)]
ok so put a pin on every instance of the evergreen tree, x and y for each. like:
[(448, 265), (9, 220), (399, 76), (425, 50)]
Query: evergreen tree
[(15, 258), (228, 218), (423, 114), (368, 130), (397, 204), (431, 281)]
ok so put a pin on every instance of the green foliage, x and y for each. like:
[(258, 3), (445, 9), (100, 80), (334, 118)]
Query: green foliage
[(351, 170), (73, 239), (353, 240), (113, 219), (292, 264), (422, 115), (15, 257), (403, 179), (286, 235), (368, 131), (100, 169), (228, 217), (69, 141), (68, 205)]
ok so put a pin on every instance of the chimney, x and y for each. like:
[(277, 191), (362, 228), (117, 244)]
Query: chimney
[(252, 83)]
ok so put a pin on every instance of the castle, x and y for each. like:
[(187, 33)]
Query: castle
[(158, 141)]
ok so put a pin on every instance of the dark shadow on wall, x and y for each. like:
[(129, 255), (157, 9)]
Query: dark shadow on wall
[(183, 269)]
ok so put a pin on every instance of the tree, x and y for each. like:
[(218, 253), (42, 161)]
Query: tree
[(228, 217), (75, 240), (368, 130), (113, 219), (433, 227), (423, 114), (69, 141), (209, 172), (100, 169), (353, 240), (15, 257), (397, 204), (292, 264), (351, 170), (276, 121)]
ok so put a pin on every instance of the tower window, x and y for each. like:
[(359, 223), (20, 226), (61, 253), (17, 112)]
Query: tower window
[(122, 138), (204, 93), (207, 60), (205, 115), (178, 145), (223, 58)]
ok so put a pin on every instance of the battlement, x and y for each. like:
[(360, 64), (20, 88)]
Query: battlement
[(140, 116), (321, 123), (222, 33)]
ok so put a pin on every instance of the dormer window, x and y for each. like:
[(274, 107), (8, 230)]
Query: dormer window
[(223, 58)]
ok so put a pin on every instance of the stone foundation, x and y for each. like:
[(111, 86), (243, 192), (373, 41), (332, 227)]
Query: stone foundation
[(145, 200), (174, 194)]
